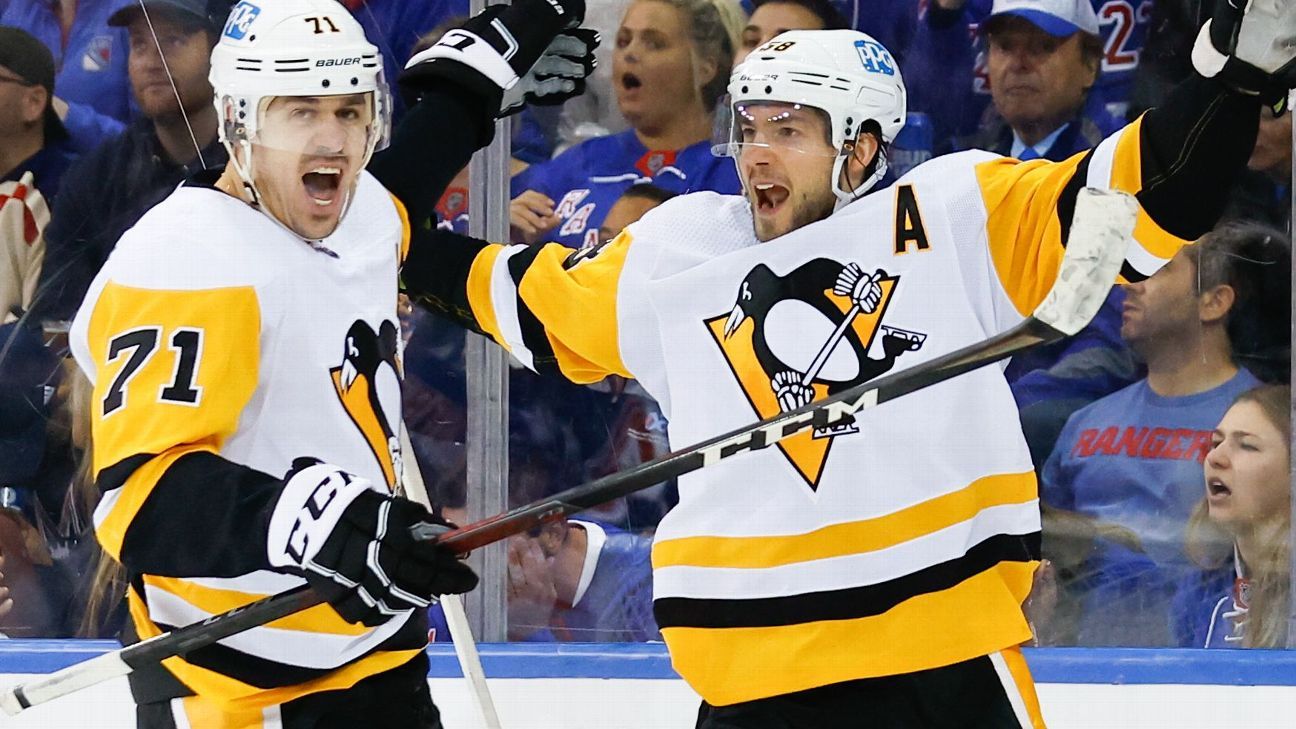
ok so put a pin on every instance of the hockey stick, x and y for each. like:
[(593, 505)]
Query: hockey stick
[(1099, 232), (460, 631)]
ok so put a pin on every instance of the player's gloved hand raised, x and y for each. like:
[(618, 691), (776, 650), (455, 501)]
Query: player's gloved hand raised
[(355, 547), (496, 49), (1251, 46), (559, 74)]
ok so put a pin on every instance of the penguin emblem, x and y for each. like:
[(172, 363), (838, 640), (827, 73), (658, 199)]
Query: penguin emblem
[(369, 362), (796, 338)]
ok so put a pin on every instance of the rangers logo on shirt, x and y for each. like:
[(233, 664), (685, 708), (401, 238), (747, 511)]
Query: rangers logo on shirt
[(799, 337), (98, 54)]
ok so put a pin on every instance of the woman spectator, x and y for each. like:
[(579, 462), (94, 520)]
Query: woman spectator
[(1239, 532), (670, 65)]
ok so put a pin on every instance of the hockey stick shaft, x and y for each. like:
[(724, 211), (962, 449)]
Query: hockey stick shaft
[(1102, 225), (461, 636)]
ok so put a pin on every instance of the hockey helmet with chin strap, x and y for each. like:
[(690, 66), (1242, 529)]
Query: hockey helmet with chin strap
[(278, 48), (846, 74)]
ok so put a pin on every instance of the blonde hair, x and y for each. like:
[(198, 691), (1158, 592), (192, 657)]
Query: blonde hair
[(714, 28), (1210, 547)]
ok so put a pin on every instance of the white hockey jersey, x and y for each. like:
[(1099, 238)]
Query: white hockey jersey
[(903, 542), (214, 331)]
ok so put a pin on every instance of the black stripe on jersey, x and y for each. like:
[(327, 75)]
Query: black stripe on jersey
[(845, 604), (435, 273), (1131, 274), (1070, 192), (533, 334), (267, 674), (205, 517)]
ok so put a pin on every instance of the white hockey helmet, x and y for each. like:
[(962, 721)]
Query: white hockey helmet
[(846, 74), (276, 48)]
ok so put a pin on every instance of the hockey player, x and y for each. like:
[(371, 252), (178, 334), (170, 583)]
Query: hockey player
[(872, 574), (246, 329)]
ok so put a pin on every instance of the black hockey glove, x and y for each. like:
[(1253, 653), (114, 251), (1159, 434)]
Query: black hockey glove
[(1250, 45), (355, 547), (493, 50)]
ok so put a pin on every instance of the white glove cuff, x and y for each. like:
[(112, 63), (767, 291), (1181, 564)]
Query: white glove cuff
[(308, 509), (468, 48)]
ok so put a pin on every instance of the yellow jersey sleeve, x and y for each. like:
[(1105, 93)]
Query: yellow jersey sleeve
[(172, 372), (1029, 207), (552, 308)]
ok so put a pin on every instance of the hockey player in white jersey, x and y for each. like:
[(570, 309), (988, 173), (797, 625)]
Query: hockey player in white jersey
[(872, 574), (242, 341)]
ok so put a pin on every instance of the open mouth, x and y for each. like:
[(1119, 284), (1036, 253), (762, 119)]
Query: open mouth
[(769, 196), (322, 184), (1216, 487), (630, 82)]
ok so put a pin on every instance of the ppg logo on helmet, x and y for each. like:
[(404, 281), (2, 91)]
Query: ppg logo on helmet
[(875, 58), (240, 19)]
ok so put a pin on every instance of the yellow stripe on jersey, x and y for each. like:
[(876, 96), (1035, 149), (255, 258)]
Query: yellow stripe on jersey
[(403, 214), (235, 696), (580, 302), (1127, 175), (978, 616), (1025, 236), (479, 292), (111, 528), (855, 537), (318, 619), (140, 341)]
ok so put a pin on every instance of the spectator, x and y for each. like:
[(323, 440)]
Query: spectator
[(32, 137), (91, 60), (633, 203), (1263, 193), (771, 17), (1239, 533), (1042, 60), (1133, 458), (578, 581), (113, 186), (670, 66), (947, 73)]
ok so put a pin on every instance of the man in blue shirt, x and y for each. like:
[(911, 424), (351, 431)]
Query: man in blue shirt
[(1134, 458)]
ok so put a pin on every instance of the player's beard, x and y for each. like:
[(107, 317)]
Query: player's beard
[(810, 208)]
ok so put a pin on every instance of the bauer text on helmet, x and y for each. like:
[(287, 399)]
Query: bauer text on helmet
[(303, 105)]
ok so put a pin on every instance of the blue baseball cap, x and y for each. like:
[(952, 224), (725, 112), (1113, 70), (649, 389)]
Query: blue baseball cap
[(1058, 18)]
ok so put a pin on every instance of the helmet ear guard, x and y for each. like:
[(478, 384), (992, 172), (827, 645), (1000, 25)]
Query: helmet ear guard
[(846, 74)]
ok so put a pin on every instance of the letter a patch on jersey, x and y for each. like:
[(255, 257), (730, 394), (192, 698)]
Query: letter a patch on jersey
[(792, 339), (368, 358)]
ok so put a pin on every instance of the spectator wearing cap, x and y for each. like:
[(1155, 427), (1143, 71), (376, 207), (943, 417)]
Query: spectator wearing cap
[(946, 67), (32, 138), (1043, 57), (34, 154), (90, 62), (112, 187)]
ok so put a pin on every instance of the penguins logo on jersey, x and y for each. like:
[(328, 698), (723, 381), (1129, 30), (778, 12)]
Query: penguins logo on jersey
[(799, 337), (367, 359)]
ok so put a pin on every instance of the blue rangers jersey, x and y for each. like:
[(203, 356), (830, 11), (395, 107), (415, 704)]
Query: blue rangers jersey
[(585, 180)]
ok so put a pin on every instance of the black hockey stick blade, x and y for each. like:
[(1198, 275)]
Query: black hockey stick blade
[(1100, 231)]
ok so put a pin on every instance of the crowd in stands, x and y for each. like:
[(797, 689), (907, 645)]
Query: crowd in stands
[(1160, 433)]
